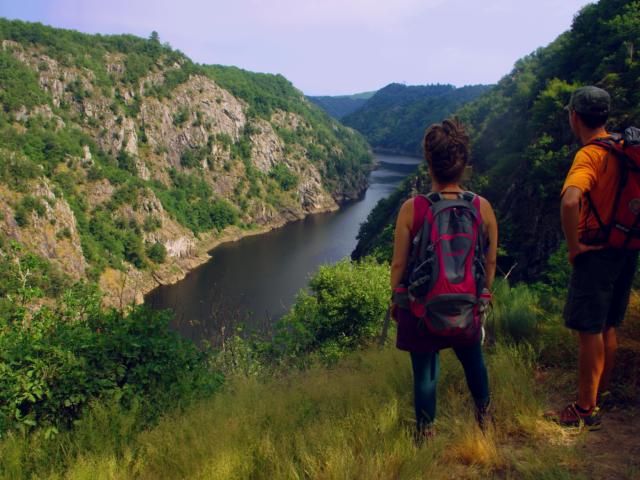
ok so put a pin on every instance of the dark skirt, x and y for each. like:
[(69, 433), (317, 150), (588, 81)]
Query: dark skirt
[(413, 336)]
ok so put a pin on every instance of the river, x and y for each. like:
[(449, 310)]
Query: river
[(254, 281)]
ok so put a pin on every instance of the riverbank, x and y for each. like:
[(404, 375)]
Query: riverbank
[(130, 287)]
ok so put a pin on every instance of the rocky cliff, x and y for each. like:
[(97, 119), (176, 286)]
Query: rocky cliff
[(123, 162)]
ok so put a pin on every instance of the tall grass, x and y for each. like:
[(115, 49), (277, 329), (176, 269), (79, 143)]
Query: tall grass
[(353, 421)]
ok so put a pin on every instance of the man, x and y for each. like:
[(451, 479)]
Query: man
[(602, 276)]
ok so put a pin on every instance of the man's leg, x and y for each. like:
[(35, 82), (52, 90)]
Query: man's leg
[(610, 346), (591, 361)]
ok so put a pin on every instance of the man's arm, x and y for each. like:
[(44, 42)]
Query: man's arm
[(570, 215)]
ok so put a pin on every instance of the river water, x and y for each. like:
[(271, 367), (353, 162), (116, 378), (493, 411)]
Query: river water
[(254, 281)]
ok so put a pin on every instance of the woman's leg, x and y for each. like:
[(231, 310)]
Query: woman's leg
[(475, 371), (425, 378)]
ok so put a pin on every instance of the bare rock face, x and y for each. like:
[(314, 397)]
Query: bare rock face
[(198, 109), (53, 235), (99, 192), (267, 148), (313, 197)]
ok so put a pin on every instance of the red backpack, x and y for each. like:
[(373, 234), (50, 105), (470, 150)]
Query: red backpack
[(623, 230), (445, 273)]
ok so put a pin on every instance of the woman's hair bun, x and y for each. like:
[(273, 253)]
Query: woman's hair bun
[(446, 150)]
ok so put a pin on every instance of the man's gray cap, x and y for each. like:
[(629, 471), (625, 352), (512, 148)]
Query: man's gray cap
[(590, 100)]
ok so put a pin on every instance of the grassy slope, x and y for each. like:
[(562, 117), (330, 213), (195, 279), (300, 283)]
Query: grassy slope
[(354, 421)]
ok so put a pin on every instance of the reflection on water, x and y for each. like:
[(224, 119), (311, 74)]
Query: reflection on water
[(254, 280)]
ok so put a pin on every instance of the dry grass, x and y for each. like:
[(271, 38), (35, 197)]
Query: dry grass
[(351, 422)]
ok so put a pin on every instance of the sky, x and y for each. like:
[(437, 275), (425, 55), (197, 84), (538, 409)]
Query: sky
[(330, 47)]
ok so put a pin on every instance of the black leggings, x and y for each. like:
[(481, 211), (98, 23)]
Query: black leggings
[(425, 379)]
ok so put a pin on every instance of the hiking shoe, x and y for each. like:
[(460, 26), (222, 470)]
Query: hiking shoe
[(571, 416), (423, 435)]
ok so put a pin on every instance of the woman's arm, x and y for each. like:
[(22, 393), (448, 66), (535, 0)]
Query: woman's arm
[(401, 242), (491, 226)]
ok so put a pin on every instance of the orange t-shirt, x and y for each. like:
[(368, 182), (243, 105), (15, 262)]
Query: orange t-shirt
[(595, 171)]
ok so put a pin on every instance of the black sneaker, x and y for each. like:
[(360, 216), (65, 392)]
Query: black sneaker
[(423, 434), (484, 416)]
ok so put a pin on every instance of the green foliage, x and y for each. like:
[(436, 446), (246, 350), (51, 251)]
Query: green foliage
[(181, 116), (395, 118), (28, 204), (521, 136), (151, 224), (265, 93), (282, 174), (190, 202), (193, 158), (112, 242), (54, 364), (42, 144), (25, 276), (20, 85), (16, 170), (342, 105), (55, 360), (157, 252), (344, 310), (75, 49)]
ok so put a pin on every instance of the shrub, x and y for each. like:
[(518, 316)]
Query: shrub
[(27, 205), (284, 176), (345, 309), (181, 116), (157, 252), (53, 364), (151, 223)]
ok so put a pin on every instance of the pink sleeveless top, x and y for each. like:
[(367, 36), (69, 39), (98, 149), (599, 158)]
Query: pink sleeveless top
[(412, 335)]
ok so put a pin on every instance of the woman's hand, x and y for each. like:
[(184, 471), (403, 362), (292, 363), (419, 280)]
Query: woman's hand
[(393, 312)]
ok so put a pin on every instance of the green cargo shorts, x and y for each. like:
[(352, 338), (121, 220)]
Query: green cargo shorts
[(599, 289)]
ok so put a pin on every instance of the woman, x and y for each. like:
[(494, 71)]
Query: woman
[(446, 151)]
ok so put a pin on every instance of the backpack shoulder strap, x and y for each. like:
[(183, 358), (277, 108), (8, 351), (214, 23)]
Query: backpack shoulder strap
[(612, 143), (468, 196), (433, 197)]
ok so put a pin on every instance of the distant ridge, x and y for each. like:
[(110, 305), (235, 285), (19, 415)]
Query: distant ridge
[(340, 105), (394, 119)]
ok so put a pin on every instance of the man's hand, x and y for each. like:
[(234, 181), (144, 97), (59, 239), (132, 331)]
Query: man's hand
[(582, 248)]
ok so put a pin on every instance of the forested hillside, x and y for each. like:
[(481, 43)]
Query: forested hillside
[(394, 119), (122, 161), (340, 105), (522, 145)]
